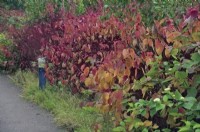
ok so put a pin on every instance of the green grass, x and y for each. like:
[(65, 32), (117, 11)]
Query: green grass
[(64, 106)]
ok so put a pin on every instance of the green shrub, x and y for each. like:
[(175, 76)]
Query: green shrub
[(176, 102), (5, 54), (36, 9), (158, 9), (4, 41), (12, 4)]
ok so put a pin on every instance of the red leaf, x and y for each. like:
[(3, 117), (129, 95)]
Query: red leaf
[(193, 12), (86, 71), (181, 110), (137, 34), (159, 47), (82, 67)]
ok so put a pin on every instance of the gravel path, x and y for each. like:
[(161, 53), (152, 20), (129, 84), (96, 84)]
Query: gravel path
[(17, 115)]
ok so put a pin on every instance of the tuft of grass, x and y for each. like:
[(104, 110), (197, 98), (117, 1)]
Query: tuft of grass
[(64, 106)]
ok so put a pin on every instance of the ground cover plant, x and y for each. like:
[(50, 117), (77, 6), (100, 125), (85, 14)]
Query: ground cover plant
[(145, 78)]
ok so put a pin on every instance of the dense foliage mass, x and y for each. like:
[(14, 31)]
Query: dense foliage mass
[(5, 52), (151, 10), (146, 78), (156, 77), (15, 4), (27, 46)]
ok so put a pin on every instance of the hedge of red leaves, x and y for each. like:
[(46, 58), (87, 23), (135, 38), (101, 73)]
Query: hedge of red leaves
[(77, 45), (129, 75), (26, 45), (114, 57)]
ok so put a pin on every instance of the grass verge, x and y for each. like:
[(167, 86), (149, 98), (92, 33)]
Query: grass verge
[(64, 106)]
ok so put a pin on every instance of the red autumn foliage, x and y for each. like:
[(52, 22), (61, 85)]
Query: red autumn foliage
[(77, 45), (132, 63), (105, 56), (26, 45)]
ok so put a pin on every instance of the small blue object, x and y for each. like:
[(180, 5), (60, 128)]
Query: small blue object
[(42, 78)]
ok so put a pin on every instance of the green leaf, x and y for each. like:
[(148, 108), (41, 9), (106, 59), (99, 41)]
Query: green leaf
[(186, 128), (145, 130), (166, 130), (181, 75), (198, 106), (196, 36), (192, 92), (174, 52), (152, 72), (189, 102), (187, 63), (196, 57), (122, 124), (197, 130), (190, 99), (166, 63), (177, 95), (173, 111), (167, 79), (160, 107), (130, 104), (170, 104), (143, 112), (196, 126), (152, 112), (119, 129), (165, 98), (196, 80), (188, 105)]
